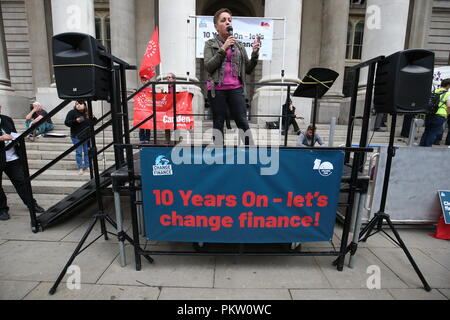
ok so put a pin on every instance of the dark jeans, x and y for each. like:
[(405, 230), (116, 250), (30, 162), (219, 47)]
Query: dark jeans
[(441, 134), (291, 121), (15, 173), (406, 126), (433, 127), (144, 135), (234, 101)]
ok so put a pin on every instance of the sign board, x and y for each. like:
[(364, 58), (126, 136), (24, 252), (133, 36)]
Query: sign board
[(240, 195), (245, 30), (444, 197)]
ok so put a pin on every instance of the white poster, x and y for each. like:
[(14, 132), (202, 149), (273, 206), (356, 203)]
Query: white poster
[(245, 30)]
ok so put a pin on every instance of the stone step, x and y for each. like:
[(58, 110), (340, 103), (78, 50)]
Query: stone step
[(61, 165), (61, 175), (47, 187)]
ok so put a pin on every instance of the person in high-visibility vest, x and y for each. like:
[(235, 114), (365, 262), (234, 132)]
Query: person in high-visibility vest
[(434, 122)]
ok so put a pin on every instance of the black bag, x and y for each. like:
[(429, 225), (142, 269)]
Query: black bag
[(435, 101), (272, 125)]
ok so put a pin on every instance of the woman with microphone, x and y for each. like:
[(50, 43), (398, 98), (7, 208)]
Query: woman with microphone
[(227, 64)]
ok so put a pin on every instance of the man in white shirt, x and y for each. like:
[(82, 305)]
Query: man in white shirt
[(11, 165)]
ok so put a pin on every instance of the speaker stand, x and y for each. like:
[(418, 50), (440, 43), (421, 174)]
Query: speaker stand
[(381, 216)]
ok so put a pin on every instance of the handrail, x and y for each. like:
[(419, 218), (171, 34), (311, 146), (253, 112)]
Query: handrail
[(37, 124), (72, 148)]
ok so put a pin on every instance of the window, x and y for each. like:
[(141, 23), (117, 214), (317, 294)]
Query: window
[(103, 29), (355, 34)]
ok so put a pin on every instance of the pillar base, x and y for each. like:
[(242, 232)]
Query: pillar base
[(329, 107), (269, 101), (14, 105)]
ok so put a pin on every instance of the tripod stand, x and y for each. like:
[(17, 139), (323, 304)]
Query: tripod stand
[(381, 215)]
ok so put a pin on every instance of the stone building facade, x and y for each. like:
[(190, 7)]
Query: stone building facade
[(329, 33)]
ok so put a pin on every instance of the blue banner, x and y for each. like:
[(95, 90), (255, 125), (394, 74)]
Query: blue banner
[(239, 195), (444, 197)]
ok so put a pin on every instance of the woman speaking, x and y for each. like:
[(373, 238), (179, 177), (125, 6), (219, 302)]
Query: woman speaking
[(227, 64)]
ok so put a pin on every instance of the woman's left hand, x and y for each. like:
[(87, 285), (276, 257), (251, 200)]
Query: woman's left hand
[(256, 45)]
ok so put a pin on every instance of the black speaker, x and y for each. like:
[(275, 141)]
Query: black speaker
[(403, 82), (82, 67)]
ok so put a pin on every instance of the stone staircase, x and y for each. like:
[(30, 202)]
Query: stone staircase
[(63, 178)]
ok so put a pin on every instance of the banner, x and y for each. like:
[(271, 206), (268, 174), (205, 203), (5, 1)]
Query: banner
[(143, 108), (245, 30), (195, 194)]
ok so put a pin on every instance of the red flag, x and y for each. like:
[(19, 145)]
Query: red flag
[(151, 57)]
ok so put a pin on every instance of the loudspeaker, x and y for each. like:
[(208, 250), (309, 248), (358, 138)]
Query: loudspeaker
[(403, 82), (82, 67)]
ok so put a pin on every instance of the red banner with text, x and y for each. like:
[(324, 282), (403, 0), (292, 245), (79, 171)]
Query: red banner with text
[(143, 108)]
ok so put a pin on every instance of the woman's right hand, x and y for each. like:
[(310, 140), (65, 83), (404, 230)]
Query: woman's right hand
[(80, 119), (231, 41)]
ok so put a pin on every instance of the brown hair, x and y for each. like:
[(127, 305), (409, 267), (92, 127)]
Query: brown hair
[(85, 112), (219, 12), (311, 127), (445, 83)]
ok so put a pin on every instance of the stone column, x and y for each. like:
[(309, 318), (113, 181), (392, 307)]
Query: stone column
[(332, 54), (68, 16), (5, 82), (177, 43), (39, 52), (73, 16), (385, 28), (420, 24), (268, 100), (13, 105), (123, 35)]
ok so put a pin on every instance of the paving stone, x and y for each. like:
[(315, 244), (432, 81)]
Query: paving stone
[(15, 290), (416, 294), (223, 294), (2, 242), (173, 271), (43, 261), (76, 234), (420, 238), (94, 292), (341, 294), (269, 273), (440, 255), (436, 275), (18, 228), (445, 292), (357, 277)]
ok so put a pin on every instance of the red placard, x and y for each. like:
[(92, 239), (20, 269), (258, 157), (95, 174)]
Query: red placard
[(143, 108)]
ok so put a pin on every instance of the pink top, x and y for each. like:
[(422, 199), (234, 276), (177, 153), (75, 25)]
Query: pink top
[(229, 81)]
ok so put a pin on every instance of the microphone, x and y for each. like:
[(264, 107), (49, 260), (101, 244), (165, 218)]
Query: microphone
[(230, 32)]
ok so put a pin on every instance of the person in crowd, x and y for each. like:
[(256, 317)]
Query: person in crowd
[(380, 121), (144, 134), (227, 65), (289, 117), (11, 165), (305, 140), (434, 122), (78, 121), (37, 113), (441, 135), (406, 126)]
